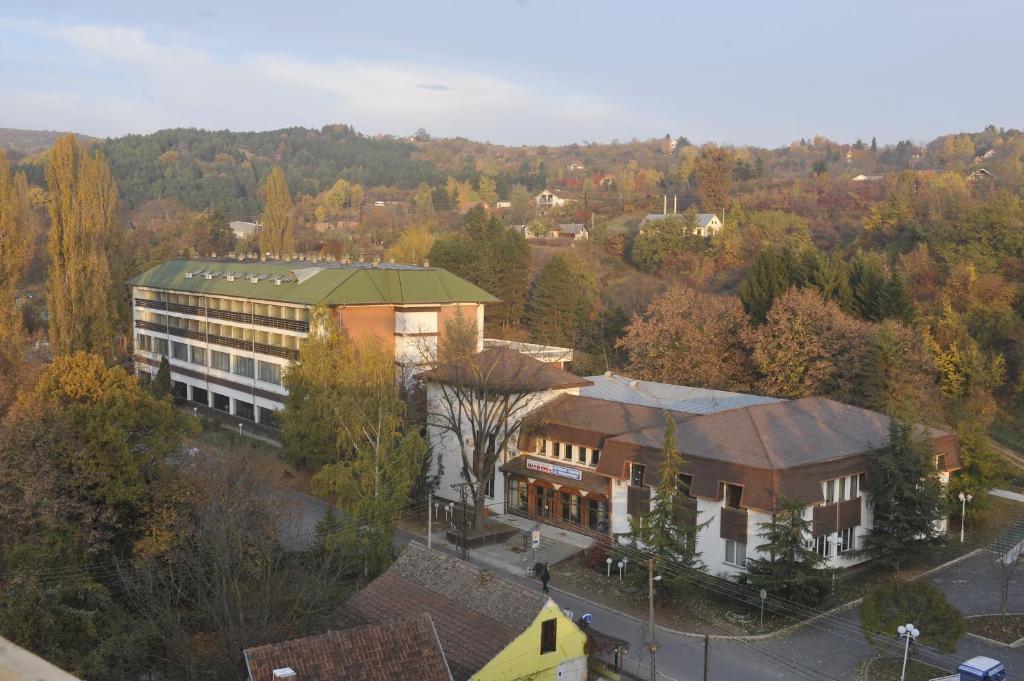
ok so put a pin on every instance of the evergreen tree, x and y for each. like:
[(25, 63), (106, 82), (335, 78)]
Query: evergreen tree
[(83, 244), (17, 233), (162, 381), (562, 302), (906, 497), (832, 279), (870, 284), (277, 236), (982, 468), (789, 568), (898, 304), (668, 533), (767, 279)]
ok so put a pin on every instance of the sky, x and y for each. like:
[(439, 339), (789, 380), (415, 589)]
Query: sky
[(517, 71)]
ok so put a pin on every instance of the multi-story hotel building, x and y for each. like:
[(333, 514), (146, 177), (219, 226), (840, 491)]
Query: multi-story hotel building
[(588, 457), (230, 328)]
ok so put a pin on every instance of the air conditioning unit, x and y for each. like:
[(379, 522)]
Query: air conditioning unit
[(254, 280), (231, 277)]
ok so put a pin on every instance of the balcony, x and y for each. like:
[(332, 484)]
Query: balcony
[(237, 343), (734, 524), (638, 500), (227, 315)]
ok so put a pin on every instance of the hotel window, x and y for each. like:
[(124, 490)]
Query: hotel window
[(595, 457), (270, 373), (179, 351), (684, 483), (830, 492), (489, 485), (568, 452), (841, 489), (636, 474), (556, 449), (142, 342), (542, 447), (581, 454), (220, 360), (199, 356), (160, 346), (847, 538), (733, 495), (735, 553), (244, 366), (548, 635), (820, 545)]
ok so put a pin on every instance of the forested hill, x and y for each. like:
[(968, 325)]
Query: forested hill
[(29, 142), (223, 169)]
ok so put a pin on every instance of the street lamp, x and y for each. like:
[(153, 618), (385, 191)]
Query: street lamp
[(609, 562), (909, 632), (964, 498), (621, 564)]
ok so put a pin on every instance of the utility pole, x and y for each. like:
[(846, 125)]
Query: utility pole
[(707, 642), (430, 515), (650, 600)]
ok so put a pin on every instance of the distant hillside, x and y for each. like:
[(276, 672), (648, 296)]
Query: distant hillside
[(29, 142)]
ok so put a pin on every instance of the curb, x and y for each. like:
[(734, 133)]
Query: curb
[(784, 631)]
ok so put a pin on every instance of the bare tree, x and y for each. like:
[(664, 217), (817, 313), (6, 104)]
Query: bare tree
[(476, 401), (1005, 567)]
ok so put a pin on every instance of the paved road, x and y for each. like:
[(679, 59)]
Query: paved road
[(827, 650)]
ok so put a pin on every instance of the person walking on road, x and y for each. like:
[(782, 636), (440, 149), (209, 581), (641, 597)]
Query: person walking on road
[(545, 577)]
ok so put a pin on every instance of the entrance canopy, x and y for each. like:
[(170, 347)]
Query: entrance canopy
[(557, 474)]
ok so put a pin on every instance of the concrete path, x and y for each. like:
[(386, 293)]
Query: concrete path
[(1005, 494)]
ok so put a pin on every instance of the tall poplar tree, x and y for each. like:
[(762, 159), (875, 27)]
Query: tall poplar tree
[(277, 236), (83, 248), (17, 231)]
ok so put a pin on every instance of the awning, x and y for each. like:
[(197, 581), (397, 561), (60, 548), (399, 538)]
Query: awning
[(557, 473)]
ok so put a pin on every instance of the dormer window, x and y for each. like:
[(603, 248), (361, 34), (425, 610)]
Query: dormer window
[(732, 495), (636, 474)]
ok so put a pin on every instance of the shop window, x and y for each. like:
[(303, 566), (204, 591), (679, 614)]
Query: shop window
[(571, 508), (597, 515), (489, 485), (199, 396), (179, 390), (268, 417)]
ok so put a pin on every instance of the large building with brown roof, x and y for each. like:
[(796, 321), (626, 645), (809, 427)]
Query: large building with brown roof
[(406, 648), (587, 456), (489, 627)]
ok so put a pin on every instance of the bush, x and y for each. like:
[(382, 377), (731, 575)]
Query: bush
[(893, 603)]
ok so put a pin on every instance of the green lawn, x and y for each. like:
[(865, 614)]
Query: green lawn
[(1008, 429)]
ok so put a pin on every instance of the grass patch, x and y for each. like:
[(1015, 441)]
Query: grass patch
[(623, 224), (1008, 428), (266, 456), (889, 668), (1003, 628)]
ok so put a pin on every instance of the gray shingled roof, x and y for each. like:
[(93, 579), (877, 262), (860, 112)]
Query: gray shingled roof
[(616, 388)]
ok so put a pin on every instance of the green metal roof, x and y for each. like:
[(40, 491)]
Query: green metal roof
[(312, 283)]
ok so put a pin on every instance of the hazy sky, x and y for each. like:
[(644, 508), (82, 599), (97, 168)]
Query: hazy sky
[(518, 72)]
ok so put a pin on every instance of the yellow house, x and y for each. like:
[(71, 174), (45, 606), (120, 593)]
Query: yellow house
[(490, 628)]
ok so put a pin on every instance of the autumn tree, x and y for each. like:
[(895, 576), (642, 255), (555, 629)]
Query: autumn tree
[(17, 234), (381, 456), (663, 238), (277, 236), (690, 338), (334, 198), (809, 347), (83, 247), (714, 169), (423, 206), (488, 190), (787, 566), (562, 302), (412, 246)]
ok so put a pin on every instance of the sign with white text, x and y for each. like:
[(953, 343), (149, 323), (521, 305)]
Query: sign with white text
[(554, 469)]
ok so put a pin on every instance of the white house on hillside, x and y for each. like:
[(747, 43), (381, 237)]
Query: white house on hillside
[(548, 199)]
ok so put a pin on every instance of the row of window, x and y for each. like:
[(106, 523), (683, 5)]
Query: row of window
[(227, 305), (570, 452), (247, 367), (846, 541), (195, 326), (842, 489)]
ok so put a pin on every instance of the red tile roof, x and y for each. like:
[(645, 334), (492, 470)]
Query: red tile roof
[(402, 649)]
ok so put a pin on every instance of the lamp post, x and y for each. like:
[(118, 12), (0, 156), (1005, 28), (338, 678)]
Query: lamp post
[(651, 579), (621, 564), (964, 498), (608, 561), (907, 631)]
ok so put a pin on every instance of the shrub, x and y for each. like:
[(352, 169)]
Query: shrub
[(893, 603)]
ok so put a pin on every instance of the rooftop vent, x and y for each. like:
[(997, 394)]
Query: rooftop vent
[(188, 275), (254, 280), (285, 673), (208, 275), (230, 276)]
